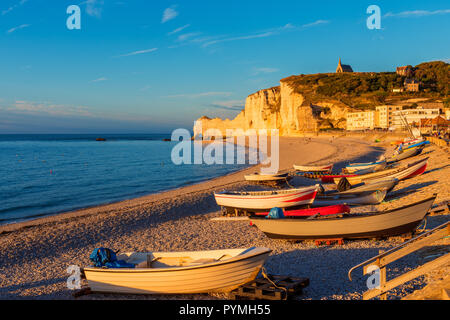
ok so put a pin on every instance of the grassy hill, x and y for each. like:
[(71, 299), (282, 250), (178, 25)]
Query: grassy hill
[(367, 89)]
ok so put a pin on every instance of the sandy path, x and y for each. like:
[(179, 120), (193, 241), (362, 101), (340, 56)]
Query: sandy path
[(34, 256)]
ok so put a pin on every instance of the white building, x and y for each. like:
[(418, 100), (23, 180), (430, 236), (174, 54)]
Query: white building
[(360, 120), (413, 116), (385, 115)]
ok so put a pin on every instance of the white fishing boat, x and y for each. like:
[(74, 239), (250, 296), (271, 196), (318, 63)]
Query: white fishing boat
[(325, 168), (348, 226), (374, 166), (179, 272), (408, 153), (383, 184), (258, 177), (361, 198), (400, 173), (267, 199)]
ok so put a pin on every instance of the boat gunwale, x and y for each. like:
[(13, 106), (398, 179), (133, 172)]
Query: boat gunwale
[(234, 259), (266, 194), (353, 215)]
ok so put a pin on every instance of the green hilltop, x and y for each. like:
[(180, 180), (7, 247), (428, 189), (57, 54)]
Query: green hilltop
[(365, 90)]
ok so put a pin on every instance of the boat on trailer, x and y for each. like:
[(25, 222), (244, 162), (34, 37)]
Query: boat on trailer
[(267, 199), (325, 168), (350, 226), (179, 272)]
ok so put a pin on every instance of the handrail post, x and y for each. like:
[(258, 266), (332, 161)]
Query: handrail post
[(383, 296)]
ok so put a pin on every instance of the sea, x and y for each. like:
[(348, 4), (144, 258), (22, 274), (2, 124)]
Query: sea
[(46, 174)]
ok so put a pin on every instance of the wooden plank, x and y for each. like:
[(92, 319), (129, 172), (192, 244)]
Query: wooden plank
[(443, 260)]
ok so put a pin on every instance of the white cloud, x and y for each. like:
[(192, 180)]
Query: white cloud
[(169, 14), (138, 52), (263, 33), (315, 23), (99, 79), (264, 70), (247, 37), (416, 13), (11, 8), (183, 37), (231, 105), (17, 28), (49, 108), (179, 29)]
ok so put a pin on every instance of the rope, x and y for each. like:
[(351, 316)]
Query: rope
[(264, 274), (420, 231), (287, 182)]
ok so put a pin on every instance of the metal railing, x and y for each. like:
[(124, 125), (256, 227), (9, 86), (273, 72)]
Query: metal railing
[(385, 258)]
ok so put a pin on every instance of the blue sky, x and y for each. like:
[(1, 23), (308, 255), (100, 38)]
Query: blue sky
[(153, 66)]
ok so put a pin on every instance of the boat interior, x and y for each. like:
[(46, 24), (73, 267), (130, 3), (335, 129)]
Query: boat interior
[(179, 259)]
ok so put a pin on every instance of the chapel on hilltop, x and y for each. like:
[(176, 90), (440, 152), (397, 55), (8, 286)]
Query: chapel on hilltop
[(343, 67)]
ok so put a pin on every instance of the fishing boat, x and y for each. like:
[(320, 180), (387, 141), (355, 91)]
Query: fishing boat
[(258, 177), (408, 153), (359, 198), (403, 147), (323, 211), (384, 184), (326, 178), (267, 199), (402, 172), (374, 166), (179, 272), (329, 177), (326, 168), (350, 226)]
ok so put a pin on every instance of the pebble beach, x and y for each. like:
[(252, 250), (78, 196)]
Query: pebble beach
[(34, 255)]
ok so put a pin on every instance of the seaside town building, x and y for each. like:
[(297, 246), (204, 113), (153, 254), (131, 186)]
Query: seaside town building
[(411, 85), (385, 115), (343, 67), (406, 71), (362, 120), (413, 116), (438, 124)]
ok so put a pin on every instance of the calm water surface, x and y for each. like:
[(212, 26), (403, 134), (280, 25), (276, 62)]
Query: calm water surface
[(48, 174)]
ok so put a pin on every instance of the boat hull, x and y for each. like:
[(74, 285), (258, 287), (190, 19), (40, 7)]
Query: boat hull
[(405, 155), (326, 168), (401, 173), (267, 200), (384, 224), (385, 184), (364, 198), (335, 209), (376, 166), (219, 277), (265, 177)]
